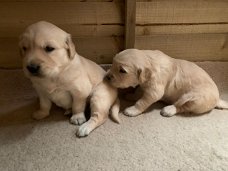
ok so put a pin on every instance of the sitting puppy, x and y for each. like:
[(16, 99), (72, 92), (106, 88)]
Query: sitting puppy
[(184, 85), (65, 78)]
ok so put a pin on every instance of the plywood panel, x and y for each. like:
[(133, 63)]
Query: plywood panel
[(130, 13), (25, 13), (74, 30), (195, 47), (97, 26), (181, 11), (181, 29), (61, 0), (98, 49), (101, 50)]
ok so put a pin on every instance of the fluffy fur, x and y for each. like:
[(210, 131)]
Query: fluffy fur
[(182, 84), (65, 78)]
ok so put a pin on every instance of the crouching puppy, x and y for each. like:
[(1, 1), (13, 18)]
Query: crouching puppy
[(182, 84), (63, 77)]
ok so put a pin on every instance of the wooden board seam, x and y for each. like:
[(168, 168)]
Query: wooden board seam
[(167, 24)]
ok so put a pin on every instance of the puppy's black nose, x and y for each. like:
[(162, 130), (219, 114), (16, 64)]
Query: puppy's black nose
[(33, 68), (109, 77)]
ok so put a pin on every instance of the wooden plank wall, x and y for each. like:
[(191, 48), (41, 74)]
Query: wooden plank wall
[(97, 26), (188, 29), (130, 14)]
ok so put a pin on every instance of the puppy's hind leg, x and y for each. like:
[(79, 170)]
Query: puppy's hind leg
[(169, 111), (98, 117), (101, 101), (193, 102), (179, 106), (114, 111), (95, 121)]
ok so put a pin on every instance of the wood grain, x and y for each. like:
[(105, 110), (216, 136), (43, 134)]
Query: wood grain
[(194, 30), (25, 13), (194, 47), (61, 0), (181, 11), (181, 29), (130, 13), (96, 25), (74, 29)]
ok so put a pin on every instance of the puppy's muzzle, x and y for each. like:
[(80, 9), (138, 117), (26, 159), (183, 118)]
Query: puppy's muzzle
[(33, 69)]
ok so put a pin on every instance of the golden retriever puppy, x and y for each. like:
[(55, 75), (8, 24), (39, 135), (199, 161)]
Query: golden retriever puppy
[(65, 78), (184, 85)]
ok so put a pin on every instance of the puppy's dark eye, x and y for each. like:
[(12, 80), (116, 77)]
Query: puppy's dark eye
[(123, 71), (49, 49), (24, 48)]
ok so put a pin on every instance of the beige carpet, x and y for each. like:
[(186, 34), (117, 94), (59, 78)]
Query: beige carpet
[(147, 142)]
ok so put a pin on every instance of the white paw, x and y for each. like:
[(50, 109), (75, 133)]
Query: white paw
[(169, 111), (39, 115), (78, 118), (84, 130), (132, 111), (68, 112)]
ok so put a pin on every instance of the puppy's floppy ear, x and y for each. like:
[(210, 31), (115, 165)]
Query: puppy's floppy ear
[(143, 75), (70, 47)]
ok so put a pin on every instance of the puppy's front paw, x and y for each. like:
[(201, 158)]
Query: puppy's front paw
[(132, 111), (84, 130), (169, 111), (78, 119), (39, 115)]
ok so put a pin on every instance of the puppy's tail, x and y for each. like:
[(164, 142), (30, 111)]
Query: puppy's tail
[(222, 104), (114, 111)]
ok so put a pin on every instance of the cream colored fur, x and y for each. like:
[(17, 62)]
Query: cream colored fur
[(66, 78), (182, 84)]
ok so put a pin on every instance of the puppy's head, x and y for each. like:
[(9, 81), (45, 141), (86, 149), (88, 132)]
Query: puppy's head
[(45, 49), (129, 69)]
